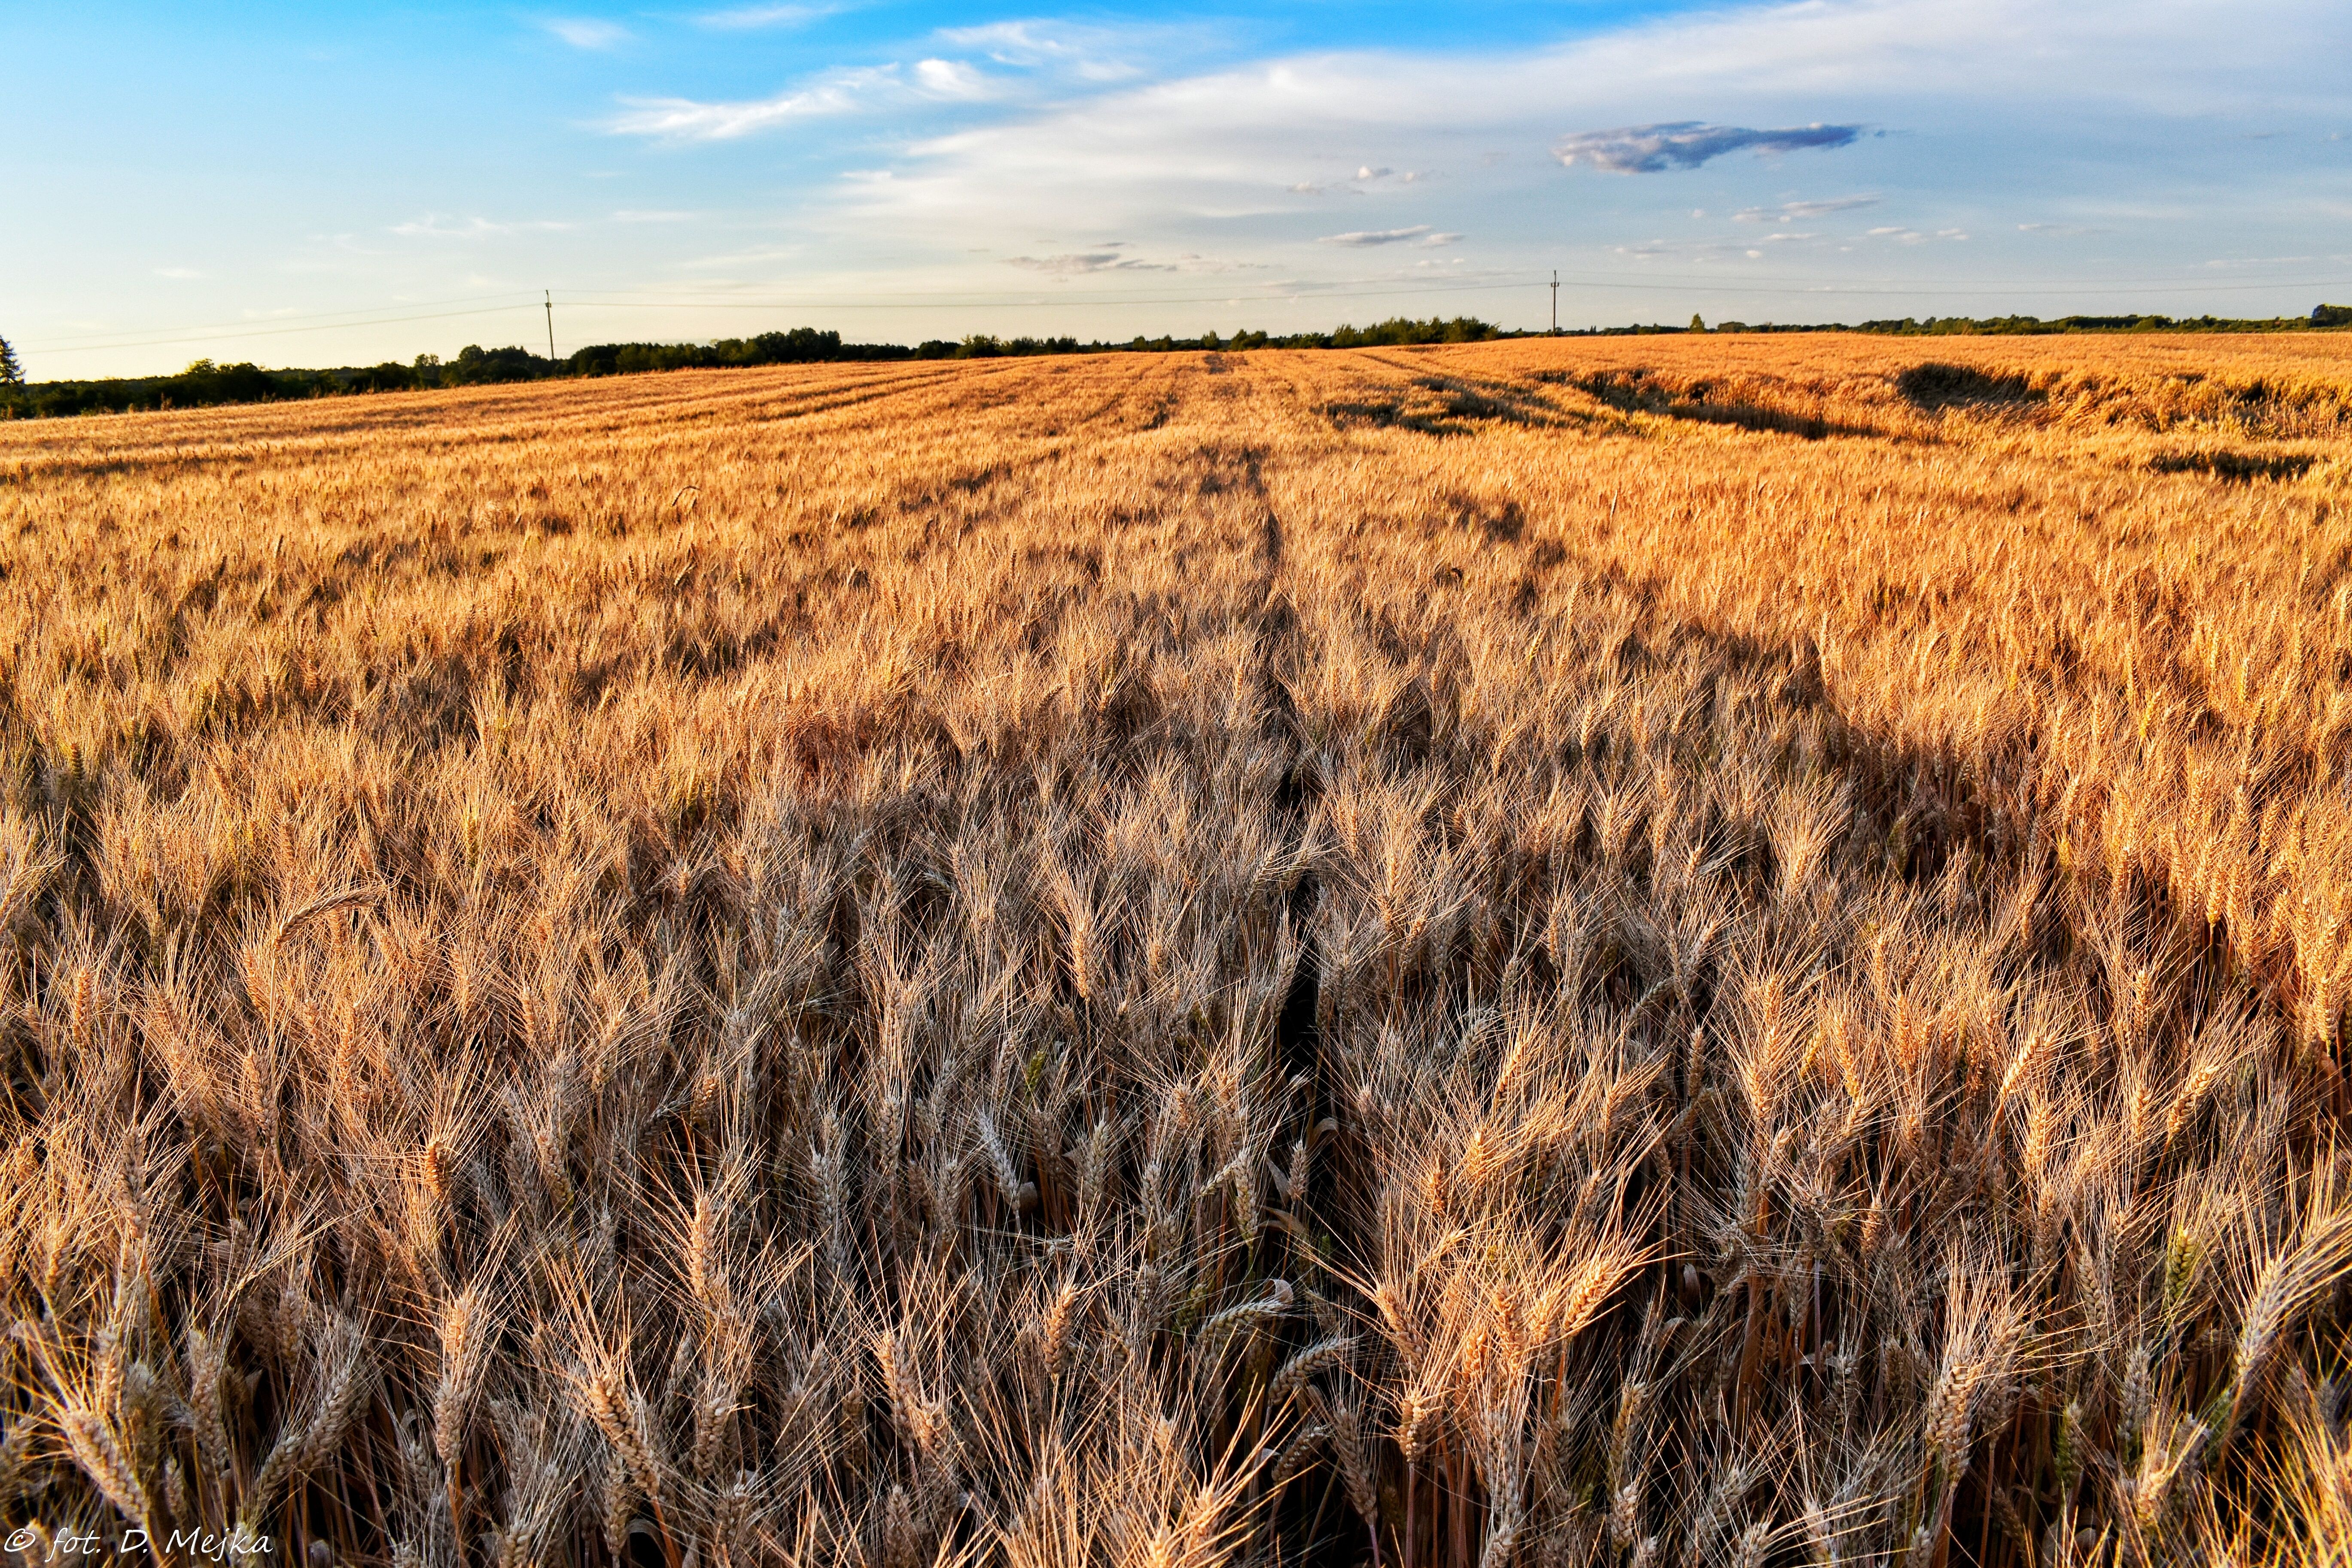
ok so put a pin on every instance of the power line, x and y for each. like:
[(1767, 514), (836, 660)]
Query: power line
[(1337, 290), (1021, 302), (1831, 291), (188, 336), (1340, 291), (331, 318), (1341, 294), (1596, 281), (234, 333)]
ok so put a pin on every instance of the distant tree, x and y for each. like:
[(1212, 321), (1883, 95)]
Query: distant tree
[(799, 346), (203, 383), (476, 365), (2326, 316), (1697, 325), (390, 376), (12, 370)]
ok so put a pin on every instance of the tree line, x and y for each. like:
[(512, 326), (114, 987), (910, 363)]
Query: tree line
[(204, 384), (2324, 316)]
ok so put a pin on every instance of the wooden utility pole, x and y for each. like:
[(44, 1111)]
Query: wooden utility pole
[(1555, 301), (550, 295)]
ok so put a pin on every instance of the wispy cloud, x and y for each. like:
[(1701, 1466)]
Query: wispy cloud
[(1090, 54), (1365, 175), (1220, 148), (586, 33), (633, 216), (440, 225), (846, 91), (1699, 252), (1902, 235), (747, 17), (1792, 212), (1076, 263), (177, 273), (951, 78), (1119, 255), (1419, 234), (694, 120), (1687, 143)]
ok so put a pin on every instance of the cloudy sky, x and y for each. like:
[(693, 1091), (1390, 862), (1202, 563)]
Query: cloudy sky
[(329, 183)]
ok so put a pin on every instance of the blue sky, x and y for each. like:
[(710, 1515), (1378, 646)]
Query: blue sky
[(328, 183)]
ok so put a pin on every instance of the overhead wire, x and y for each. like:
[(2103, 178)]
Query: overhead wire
[(1290, 291)]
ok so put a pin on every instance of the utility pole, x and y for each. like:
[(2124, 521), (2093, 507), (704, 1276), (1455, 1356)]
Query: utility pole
[(1555, 301), (550, 294)]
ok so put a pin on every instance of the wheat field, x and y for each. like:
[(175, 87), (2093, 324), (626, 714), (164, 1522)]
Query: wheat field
[(1636, 951)]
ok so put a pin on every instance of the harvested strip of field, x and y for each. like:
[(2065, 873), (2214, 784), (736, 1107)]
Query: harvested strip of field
[(1425, 956)]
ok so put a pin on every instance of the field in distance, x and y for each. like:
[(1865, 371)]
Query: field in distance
[(1634, 952)]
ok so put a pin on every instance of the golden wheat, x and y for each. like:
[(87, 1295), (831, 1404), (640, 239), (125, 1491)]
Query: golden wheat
[(1643, 951)]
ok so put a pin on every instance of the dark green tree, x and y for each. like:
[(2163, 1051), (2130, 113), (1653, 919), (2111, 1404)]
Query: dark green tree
[(12, 369)]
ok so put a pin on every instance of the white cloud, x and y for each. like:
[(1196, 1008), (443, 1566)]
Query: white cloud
[(627, 216), (584, 33), (745, 18), (1116, 255), (1687, 143), (177, 273), (1098, 56), (1788, 211), (1365, 175), (951, 78), (1994, 112), (1419, 234), (440, 225), (691, 120), (846, 91), (1076, 263)]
